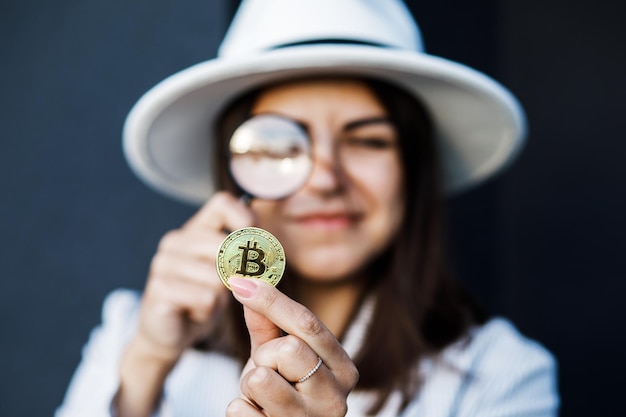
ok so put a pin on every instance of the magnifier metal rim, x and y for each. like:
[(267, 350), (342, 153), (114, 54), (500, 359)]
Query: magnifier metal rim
[(308, 152)]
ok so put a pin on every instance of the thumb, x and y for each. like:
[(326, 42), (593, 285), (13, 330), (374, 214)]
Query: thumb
[(261, 329)]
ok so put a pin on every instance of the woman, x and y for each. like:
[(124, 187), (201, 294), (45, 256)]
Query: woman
[(366, 319)]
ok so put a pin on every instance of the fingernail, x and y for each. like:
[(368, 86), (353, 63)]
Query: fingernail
[(243, 287)]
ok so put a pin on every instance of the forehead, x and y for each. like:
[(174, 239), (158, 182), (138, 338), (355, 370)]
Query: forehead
[(350, 97)]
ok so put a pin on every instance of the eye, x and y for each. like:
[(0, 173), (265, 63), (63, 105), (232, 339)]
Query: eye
[(370, 143), (370, 137)]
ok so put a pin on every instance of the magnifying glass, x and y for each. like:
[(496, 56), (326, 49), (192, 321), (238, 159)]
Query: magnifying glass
[(270, 157)]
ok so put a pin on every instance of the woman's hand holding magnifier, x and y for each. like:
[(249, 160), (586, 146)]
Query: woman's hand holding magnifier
[(182, 301), (284, 376)]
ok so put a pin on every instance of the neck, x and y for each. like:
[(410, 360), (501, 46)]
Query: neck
[(332, 303)]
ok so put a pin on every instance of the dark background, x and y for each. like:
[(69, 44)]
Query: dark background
[(542, 244)]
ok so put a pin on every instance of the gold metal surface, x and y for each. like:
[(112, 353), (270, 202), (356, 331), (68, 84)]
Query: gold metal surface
[(251, 253)]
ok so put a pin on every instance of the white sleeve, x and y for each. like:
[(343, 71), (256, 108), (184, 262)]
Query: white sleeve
[(96, 380), (512, 377)]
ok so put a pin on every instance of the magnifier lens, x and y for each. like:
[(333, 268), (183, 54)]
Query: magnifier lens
[(270, 156)]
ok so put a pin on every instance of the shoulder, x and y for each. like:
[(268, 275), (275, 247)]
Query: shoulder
[(506, 371), (119, 304), (503, 345), (96, 379), (120, 310)]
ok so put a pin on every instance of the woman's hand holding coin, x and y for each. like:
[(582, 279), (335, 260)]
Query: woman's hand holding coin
[(306, 372)]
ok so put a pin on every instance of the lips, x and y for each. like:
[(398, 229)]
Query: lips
[(326, 221)]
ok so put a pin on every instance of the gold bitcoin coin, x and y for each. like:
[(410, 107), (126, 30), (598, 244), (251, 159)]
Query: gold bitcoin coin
[(251, 253)]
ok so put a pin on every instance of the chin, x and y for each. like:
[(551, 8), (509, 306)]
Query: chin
[(327, 269), (327, 276)]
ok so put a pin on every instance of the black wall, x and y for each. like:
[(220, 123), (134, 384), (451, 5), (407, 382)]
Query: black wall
[(541, 244)]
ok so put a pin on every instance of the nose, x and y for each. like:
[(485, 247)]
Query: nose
[(327, 175)]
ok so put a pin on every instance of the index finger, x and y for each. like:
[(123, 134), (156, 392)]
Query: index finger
[(295, 319), (222, 212)]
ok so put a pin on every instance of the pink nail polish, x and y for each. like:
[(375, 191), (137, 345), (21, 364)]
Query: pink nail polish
[(243, 287)]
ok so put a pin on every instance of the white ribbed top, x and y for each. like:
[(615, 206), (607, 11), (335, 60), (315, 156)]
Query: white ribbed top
[(499, 373)]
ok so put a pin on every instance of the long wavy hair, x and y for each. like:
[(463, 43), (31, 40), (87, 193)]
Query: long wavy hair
[(419, 308)]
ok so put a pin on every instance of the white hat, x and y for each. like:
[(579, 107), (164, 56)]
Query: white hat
[(479, 125)]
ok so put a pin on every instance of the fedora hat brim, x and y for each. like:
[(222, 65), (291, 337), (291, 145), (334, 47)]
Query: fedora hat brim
[(479, 126)]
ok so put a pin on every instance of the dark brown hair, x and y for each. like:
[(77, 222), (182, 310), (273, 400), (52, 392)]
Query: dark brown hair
[(419, 308)]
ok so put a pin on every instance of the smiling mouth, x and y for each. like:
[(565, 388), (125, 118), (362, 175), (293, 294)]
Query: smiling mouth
[(328, 221)]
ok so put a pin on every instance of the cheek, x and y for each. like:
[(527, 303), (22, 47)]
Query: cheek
[(381, 185), (267, 213), (381, 189), (270, 216)]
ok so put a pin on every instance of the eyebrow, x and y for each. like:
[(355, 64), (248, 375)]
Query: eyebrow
[(367, 121), (355, 124)]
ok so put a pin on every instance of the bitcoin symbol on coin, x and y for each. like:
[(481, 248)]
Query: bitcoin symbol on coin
[(246, 260), (251, 253)]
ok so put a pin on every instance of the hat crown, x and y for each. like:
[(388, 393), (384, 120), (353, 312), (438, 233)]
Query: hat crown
[(262, 25)]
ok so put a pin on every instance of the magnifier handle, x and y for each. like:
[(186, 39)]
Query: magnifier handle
[(246, 199)]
